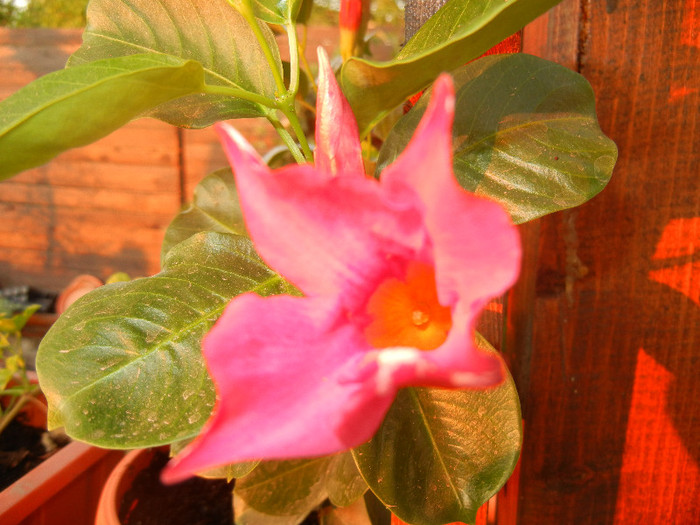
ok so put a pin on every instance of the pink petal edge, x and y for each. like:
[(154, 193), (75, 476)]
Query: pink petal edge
[(338, 150)]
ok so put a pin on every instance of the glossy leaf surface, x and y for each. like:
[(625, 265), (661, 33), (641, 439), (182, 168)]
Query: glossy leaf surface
[(73, 107), (459, 32), (214, 208), (122, 367), (525, 134), (440, 454), (209, 31)]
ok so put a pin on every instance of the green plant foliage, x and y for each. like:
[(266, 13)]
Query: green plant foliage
[(52, 13), (272, 11), (282, 489), (122, 367), (462, 444), (459, 32), (287, 491), (346, 485), (208, 31), (525, 134), (227, 472), (73, 107), (214, 208)]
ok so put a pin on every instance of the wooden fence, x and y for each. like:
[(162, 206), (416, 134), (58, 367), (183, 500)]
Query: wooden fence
[(604, 326)]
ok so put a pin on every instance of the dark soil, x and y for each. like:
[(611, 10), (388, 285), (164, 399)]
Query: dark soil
[(196, 501), (22, 448)]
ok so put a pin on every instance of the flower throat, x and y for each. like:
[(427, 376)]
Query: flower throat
[(407, 312)]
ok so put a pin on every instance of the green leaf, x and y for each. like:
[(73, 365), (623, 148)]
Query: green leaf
[(344, 483), (122, 367), (273, 11), (354, 514), (73, 107), (459, 32), (440, 454), (525, 134), (227, 472), (283, 488), (214, 208), (209, 31)]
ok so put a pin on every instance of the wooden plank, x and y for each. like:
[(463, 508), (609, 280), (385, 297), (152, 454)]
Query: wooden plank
[(607, 306)]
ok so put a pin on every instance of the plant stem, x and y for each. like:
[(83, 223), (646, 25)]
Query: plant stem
[(293, 59), (245, 8), (291, 114), (15, 407), (287, 139)]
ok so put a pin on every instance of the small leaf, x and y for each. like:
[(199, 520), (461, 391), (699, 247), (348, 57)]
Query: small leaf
[(214, 208), (354, 514), (344, 483), (209, 31), (459, 32), (440, 454), (122, 367), (285, 488), (280, 12), (20, 320), (73, 107), (525, 134), (227, 472)]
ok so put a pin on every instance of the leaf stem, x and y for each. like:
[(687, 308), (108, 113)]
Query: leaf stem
[(245, 8), (293, 59), (287, 139)]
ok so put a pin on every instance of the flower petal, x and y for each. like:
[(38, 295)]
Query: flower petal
[(327, 235), (278, 364), (476, 245), (338, 149)]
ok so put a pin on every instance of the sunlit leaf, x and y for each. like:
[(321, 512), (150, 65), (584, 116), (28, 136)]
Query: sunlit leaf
[(440, 454), (122, 367), (209, 31), (214, 208), (459, 32), (525, 134), (77, 106)]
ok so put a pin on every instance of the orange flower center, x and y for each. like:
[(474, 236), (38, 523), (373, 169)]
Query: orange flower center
[(407, 312)]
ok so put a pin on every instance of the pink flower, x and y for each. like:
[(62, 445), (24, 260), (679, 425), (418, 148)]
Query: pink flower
[(394, 274)]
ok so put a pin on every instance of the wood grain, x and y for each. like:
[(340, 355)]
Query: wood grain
[(612, 430)]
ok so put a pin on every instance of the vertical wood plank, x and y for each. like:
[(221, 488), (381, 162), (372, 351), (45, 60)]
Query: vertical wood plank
[(618, 284)]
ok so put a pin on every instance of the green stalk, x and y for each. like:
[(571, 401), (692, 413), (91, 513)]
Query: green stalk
[(291, 114), (15, 407), (287, 139), (245, 8), (293, 59)]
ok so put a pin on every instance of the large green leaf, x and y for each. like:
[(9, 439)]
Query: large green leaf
[(122, 368), (459, 32), (209, 31), (214, 208), (525, 134), (71, 108), (440, 454)]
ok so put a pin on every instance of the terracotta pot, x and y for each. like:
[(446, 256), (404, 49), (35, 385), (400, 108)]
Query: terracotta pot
[(118, 483), (75, 290), (63, 489)]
